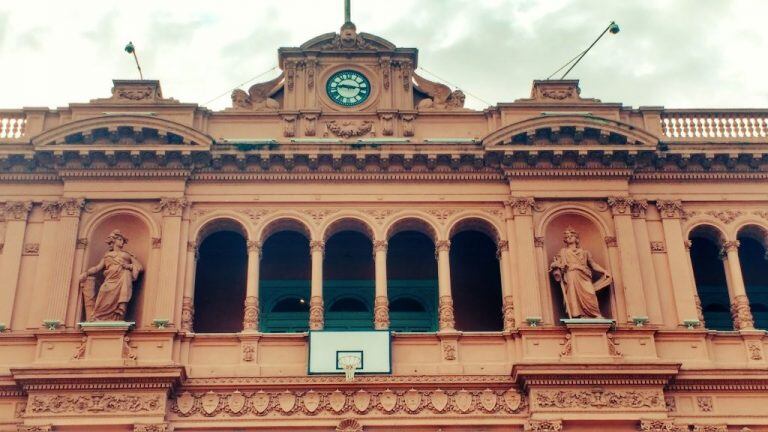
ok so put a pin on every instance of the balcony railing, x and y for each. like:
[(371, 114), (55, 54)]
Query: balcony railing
[(715, 125), (12, 125)]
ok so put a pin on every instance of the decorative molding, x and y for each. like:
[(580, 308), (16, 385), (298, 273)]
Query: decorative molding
[(442, 214), (611, 241), (661, 426), (51, 210), (319, 215), (621, 205), (31, 249), (35, 428), (704, 403), (725, 216), (755, 352), (449, 348), (522, 206), (670, 209), (251, 315), (379, 215), (599, 398), (538, 242), (543, 426), (379, 246), (499, 402), (80, 350), (671, 403), (381, 312), (501, 247), (731, 246), (349, 425), (317, 246), (16, 210), (442, 246), (157, 242), (187, 314), (316, 313), (639, 207), (658, 247), (349, 128), (710, 428), (81, 243), (741, 313), (567, 344), (249, 353), (254, 246), (152, 427), (129, 351), (445, 313), (508, 313), (171, 206), (66, 403)]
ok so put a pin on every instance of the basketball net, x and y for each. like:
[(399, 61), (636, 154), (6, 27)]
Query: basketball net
[(350, 365)]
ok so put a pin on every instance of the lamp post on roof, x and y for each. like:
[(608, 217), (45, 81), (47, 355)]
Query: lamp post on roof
[(612, 27)]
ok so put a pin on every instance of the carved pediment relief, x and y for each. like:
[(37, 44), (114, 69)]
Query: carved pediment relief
[(258, 97), (557, 91), (349, 128), (438, 97), (136, 92), (348, 40)]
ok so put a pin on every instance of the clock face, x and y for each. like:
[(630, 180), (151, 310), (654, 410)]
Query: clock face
[(348, 88)]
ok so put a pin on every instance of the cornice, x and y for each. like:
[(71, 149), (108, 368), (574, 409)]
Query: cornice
[(569, 374), (367, 381), (701, 175), (350, 176), (123, 173), (85, 378)]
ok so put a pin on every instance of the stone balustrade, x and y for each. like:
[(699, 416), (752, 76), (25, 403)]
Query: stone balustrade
[(12, 124), (715, 125)]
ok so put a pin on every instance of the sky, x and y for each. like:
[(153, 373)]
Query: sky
[(672, 53)]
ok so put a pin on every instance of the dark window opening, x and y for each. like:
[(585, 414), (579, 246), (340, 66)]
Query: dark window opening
[(348, 285), (348, 304), (406, 305), (284, 283), (475, 282), (754, 269), (711, 284), (412, 282)]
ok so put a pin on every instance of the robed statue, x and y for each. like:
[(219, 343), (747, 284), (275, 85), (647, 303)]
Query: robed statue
[(120, 270), (573, 268)]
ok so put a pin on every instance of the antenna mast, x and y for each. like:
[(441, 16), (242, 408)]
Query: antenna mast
[(347, 13)]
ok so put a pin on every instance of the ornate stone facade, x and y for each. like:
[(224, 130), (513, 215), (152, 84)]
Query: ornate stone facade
[(478, 340)]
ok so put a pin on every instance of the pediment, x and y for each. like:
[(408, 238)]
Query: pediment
[(347, 41), (123, 129)]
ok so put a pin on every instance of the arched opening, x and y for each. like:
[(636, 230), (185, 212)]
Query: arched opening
[(284, 283), (590, 239), (348, 284), (220, 283), (475, 280), (710, 278), (412, 282), (754, 268)]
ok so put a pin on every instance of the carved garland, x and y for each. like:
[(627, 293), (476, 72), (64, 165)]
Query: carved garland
[(599, 398)]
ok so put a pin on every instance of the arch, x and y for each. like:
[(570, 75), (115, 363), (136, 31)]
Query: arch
[(707, 228), (475, 222), (710, 274), (634, 136), (412, 222), (572, 208), (755, 231), (412, 273), (753, 257), (284, 221), (293, 318), (349, 222), (221, 220), (593, 235), (59, 134), (142, 213), (285, 271)]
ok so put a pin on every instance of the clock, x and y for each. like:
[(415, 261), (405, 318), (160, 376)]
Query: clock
[(348, 88)]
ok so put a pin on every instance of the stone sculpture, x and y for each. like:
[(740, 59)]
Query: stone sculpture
[(440, 96), (573, 267), (120, 270), (258, 97)]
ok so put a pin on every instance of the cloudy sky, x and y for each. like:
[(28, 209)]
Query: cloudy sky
[(681, 53)]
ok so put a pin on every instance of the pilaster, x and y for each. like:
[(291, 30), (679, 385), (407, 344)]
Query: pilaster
[(61, 269), (15, 214), (645, 260), (172, 209), (530, 297), (630, 271)]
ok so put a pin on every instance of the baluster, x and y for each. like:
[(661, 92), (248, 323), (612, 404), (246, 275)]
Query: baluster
[(2, 127), (741, 129), (689, 127), (675, 129), (708, 126), (14, 128), (729, 126), (763, 126)]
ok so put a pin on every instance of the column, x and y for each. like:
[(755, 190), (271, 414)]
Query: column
[(187, 300), (647, 270), (251, 316), (75, 299), (316, 308), (683, 285), (446, 321), (530, 297), (64, 256), (381, 299), (740, 311), (508, 300), (697, 301), (16, 213), (628, 257), (170, 252)]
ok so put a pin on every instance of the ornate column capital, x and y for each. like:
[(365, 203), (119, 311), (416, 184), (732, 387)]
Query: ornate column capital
[(71, 207), (36, 428), (16, 210), (317, 246), (661, 426), (521, 206), (670, 209), (639, 207), (731, 246), (171, 206), (51, 210), (543, 426), (501, 247), (443, 246), (379, 246), (621, 205), (151, 427), (688, 244), (254, 246)]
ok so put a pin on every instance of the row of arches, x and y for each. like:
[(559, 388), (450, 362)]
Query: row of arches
[(730, 276)]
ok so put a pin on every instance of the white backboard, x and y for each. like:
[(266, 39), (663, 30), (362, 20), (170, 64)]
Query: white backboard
[(326, 347)]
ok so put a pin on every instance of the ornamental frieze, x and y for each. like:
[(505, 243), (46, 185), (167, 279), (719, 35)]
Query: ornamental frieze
[(96, 403), (599, 398), (318, 402)]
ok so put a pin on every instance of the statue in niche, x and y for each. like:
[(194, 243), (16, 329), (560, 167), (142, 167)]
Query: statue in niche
[(120, 270), (572, 268)]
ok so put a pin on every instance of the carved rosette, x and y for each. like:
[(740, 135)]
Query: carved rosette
[(670, 209), (251, 317), (544, 426), (538, 242), (508, 311), (621, 205), (522, 206), (187, 314), (381, 313), (16, 210), (741, 313), (171, 206), (445, 311), (611, 241), (316, 313)]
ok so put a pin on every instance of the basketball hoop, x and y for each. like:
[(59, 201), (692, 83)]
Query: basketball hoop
[(350, 363)]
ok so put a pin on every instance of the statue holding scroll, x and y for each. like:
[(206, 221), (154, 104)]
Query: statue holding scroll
[(573, 267), (120, 270)]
